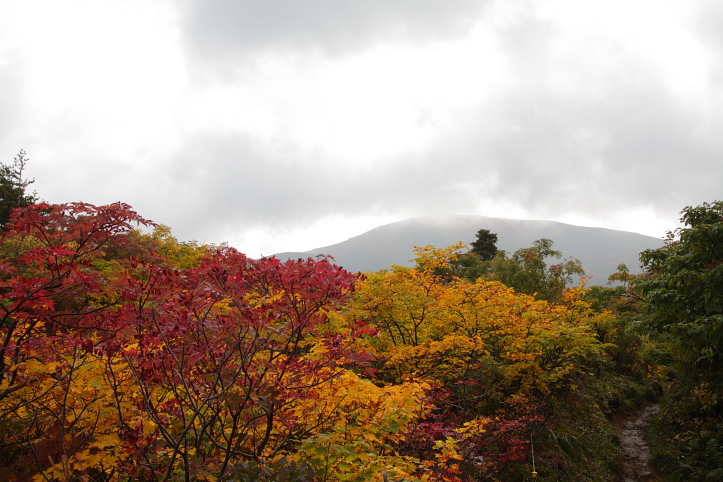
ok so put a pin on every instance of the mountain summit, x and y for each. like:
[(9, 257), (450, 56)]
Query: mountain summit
[(600, 250)]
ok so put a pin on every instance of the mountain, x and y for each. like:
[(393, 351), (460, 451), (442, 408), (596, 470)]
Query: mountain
[(600, 250)]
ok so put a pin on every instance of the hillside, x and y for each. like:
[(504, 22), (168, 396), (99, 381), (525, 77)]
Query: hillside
[(599, 249)]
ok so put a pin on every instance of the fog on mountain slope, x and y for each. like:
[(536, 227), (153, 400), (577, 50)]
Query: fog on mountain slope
[(600, 250)]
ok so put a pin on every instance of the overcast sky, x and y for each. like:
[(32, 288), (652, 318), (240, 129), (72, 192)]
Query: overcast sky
[(286, 125)]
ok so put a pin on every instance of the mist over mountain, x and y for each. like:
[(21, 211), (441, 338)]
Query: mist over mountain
[(600, 250)]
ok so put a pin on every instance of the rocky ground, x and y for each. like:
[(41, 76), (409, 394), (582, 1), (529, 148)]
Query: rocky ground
[(635, 448)]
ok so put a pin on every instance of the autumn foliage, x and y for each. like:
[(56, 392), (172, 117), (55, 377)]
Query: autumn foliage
[(131, 356), (491, 356)]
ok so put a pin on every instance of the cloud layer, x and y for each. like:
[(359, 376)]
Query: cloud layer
[(283, 125)]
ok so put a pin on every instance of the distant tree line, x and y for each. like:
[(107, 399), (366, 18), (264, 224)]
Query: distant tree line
[(527, 270)]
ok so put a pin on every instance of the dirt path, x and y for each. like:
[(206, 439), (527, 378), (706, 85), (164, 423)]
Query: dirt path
[(635, 449)]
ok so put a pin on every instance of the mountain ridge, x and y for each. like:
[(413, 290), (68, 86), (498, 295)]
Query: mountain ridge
[(601, 250)]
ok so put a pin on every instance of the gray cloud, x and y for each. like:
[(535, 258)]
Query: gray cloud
[(623, 145), (231, 30), (550, 153), (12, 93), (710, 23), (616, 138), (710, 30)]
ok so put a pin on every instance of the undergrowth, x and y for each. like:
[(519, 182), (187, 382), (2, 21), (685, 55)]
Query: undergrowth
[(687, 435), (582, 444)]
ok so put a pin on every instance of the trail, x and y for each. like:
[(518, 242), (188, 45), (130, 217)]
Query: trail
[(636, 451)]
